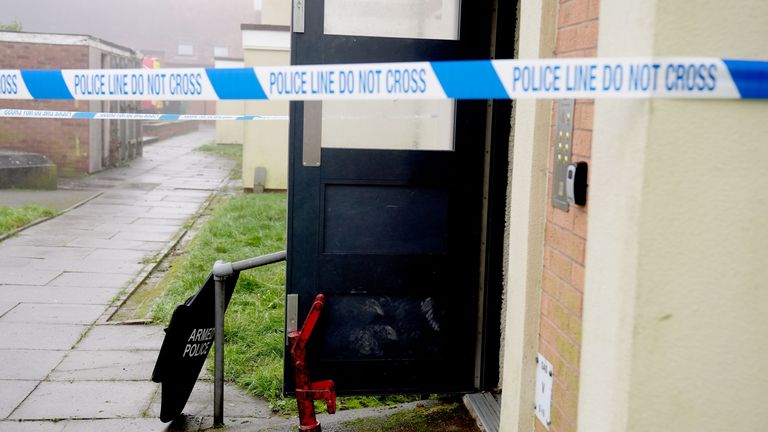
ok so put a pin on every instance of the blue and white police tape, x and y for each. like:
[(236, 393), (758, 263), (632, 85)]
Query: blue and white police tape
[(87, 115), (672, 77)]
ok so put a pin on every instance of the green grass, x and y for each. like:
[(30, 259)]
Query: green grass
[(242, 227), (230, 151), (450, 417), (15, 217)]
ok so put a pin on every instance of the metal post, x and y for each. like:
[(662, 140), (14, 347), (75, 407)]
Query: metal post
[(218, 384), (221, 271)]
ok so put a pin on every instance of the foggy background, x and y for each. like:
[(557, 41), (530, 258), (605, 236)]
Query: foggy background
[(155, 27)]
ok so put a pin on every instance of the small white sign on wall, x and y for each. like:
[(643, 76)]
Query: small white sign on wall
[(544, 374)]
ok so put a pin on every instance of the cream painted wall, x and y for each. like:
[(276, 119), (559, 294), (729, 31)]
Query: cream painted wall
[(276, 12), (266, 142), (526, 220), (230, 132), (676, 298), (702, 303)]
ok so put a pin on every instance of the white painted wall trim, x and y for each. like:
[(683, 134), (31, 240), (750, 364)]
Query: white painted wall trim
[(266, 40), (223, 64)]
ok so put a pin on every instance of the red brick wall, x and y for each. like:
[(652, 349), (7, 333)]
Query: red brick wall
[(65, 142), (566, 234)]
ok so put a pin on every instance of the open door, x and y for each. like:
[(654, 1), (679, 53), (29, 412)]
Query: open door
[(386, 202)]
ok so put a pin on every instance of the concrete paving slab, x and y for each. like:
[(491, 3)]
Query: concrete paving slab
[(92, 264), (122, 337), (86, 399), (105, 366), (58, 199), (122, 425), (88, 210), (187, 198), (117, 203), (275, 424), (176, 205), (57, 222), (133, 202), (155, 177), (30, 426), (16, 262), (91, 280), (194, 186), (145, 236), (134, 190), (131, 194), (142, 199), (13, 394), (27, 276), (11, 250), (237, 404), (132, 256), (171, 217), (43, 240), (155, 222), (69, 295), (39, 336), (70, 219), (28, 364), (117, 244), (184, 192), (168, 212), (6, 306), (104, 209), (205, 374), (138, 226), (85, 231), (53, 313), (147, 186)]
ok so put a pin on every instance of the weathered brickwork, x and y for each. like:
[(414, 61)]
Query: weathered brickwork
[(566, 234), (64, 142)]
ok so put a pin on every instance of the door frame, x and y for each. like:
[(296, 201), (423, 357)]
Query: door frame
[(495, 201)]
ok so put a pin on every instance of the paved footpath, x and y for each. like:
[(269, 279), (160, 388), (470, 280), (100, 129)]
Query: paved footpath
[(63, 367)]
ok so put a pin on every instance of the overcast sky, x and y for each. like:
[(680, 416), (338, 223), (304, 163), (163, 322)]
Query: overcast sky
[(137, 24)]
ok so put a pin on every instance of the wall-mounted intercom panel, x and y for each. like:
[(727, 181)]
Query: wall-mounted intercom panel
[(562, 154)]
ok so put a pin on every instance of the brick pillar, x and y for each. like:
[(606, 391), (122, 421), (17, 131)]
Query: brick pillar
[(566, 234)]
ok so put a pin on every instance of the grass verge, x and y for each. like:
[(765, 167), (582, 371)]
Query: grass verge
[(15, 217), (450, 417), (229, 151), (242, 227)]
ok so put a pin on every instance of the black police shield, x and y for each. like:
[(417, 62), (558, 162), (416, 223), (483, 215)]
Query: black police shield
[(188, 339)]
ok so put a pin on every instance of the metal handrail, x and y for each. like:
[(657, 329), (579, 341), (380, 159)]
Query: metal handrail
[(221, 271)]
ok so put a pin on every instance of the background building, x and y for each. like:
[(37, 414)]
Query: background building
[(265, 143), (75, 146), (179, 33)]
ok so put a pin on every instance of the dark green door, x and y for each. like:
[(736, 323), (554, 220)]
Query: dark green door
[(387, 221)]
